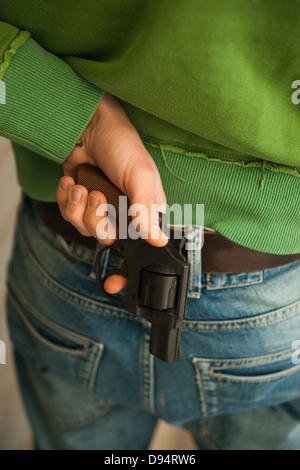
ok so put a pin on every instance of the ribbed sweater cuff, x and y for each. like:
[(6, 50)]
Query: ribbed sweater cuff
[(48, 105)]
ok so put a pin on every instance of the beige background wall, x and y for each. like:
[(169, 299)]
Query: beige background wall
[(15, 432), (14, 429)]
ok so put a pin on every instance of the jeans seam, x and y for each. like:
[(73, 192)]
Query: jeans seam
[(60, 243), (64, 332), (230, 286), (256, 379), (253, 361), (200, 387), (261, 320), (87, 360), (187, 324), (194, 258), (72, 255), (265, 359), (95, 367), (72, 296), (80, 341)]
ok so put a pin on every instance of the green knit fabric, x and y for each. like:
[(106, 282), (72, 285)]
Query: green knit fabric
[(10, 41), (244, 203), (48, 105), (208, 86)]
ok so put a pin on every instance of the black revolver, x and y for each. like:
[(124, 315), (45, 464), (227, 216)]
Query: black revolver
[(157, 276)]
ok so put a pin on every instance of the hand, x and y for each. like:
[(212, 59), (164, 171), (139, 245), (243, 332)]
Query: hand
[(112, 143)]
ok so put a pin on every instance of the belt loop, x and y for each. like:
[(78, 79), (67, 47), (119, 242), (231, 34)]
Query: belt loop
[(104, 261), (194, 235)]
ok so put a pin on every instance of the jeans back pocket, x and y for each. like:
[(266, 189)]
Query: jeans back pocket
[(48, 345), (235, 385)]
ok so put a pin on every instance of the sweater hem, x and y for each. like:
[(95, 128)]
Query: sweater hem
[(220, 157), (13, 48)]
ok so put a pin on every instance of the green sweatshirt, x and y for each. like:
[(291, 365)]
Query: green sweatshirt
[(207, 84)]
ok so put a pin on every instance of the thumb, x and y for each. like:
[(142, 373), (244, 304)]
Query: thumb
[(146, 223), (147, 199)]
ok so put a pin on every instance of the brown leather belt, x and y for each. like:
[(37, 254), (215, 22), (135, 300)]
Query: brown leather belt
[(219, 255)]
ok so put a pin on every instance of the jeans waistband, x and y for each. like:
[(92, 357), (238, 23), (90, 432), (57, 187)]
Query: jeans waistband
[(219, 254)]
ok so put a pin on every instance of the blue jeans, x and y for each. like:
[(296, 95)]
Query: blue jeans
[(89, 382)]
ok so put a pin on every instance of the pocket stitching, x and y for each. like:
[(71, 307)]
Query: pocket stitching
[(257, 378), (201, 390), (241, 284), (56, 328), (256, 321), (91, 353), (42, 339), (66, 293), (252, 362)]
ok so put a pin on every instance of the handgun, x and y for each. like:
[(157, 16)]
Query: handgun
[(157, 276)]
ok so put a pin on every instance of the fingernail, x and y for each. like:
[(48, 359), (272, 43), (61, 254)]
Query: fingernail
[(75, 195), (93, 202), (63, 185)]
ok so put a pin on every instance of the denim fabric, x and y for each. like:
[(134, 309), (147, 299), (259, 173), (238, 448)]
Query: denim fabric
[(88, 379), (194, 236)]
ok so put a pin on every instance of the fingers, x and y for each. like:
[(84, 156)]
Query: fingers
[(86, 212), (97, 221), (151, 200), (145, 222), (72, 200), (115, 283)]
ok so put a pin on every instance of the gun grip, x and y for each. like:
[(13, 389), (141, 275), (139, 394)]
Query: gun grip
[(95, 180)]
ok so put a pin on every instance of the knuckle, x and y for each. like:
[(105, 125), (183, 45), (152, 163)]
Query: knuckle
[(73, 213)]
